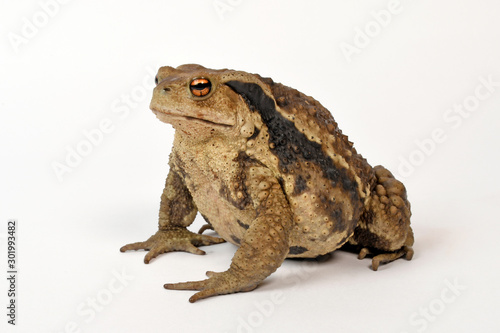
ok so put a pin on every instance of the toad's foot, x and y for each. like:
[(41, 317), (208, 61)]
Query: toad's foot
[(217, 284), (384, 258), (172, 239)]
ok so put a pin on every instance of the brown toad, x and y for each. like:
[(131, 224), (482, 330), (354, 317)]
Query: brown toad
[(270, 171)]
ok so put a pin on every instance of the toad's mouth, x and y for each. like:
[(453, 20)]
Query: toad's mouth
[(172, 117)]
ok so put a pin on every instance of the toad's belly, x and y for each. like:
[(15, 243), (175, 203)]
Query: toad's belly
[(228, 221), (311, 235), (315, 240), (324, 217)]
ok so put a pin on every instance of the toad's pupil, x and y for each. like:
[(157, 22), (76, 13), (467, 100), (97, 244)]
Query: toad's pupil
[(200, 87)]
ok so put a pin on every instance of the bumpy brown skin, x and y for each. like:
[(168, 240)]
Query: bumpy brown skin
[(271, 172), (384, 225)]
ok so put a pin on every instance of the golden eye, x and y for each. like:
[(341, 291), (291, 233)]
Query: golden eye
[(200, 87)]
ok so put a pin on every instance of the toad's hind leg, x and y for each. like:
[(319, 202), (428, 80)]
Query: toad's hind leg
[(384, 228), (405, 250)]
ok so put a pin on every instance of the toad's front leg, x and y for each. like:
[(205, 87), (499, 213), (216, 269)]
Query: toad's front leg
[(177, 211), (263, 248)]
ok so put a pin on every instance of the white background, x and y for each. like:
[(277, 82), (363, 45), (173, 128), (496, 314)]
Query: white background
[(80, 65)]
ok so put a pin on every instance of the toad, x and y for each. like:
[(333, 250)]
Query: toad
[(271, 172)]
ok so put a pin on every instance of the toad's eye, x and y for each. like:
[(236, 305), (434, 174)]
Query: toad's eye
[(200, 87)]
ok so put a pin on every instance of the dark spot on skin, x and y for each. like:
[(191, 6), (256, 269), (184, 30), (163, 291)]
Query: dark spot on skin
[(369, 239), (282, 183), (241, 204), (177, 210), (238, 182), (243, 225), (336, 215), (180, 166), (256, 132), (297, 250), (334, 210), (300, 185), (291, 145), (236, 239), (246, 161)]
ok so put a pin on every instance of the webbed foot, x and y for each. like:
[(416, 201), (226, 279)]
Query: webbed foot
[(217, 284), (385, 258), (172, 239)]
